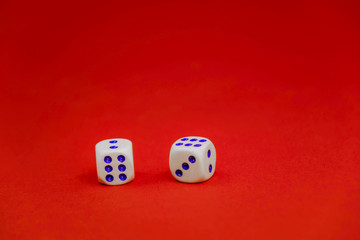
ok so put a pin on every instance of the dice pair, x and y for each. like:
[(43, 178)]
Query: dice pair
[(192, 160)]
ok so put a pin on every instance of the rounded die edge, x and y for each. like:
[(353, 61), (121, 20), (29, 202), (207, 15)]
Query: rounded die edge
[(117, 181), (109, 141), (199, 180)]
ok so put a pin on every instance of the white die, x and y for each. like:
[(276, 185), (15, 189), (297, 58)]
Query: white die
[(192, 159), (114, 161)]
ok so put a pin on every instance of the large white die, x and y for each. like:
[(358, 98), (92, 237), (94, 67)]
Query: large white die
[(192, 159), (114, 161)]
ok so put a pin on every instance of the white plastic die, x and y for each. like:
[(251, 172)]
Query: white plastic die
[(192, 159), (114, 161)]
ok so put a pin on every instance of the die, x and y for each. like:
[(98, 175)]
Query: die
[(192, 159), (114, 161)]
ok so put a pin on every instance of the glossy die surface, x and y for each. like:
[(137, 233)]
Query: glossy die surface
[(192, 159), (114, 161)]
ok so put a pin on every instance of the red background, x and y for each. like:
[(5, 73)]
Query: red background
[(274, 84)]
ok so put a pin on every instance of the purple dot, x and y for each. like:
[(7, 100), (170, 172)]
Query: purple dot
[(113, 147), (210, 168), (202, 140), (113, 141), (197, 145), (209, 153), (192, 159), (122, 177), (108, 168), (185, 166), (193, 139), (121, 158), (109, 178), (178, 173), (179, 144), (107, 159), (188, 144), (184, 139), (122, 168)]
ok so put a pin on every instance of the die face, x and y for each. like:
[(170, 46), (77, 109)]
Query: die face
[(185, 166), (192, 159), (209, 160), (114, 161)]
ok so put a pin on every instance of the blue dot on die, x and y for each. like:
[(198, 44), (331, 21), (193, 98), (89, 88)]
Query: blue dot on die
[(185, 166), (193, 139), (113, 141), (184, 139), (178, 173), (113, 147), (202, 140), (188, 144), (107, 159), (210, 168), (122, 177), (209, 153), (109, 178), (197, 145), (121, 158), (179, 144), (122, 168), (108, 168), (192, 159)]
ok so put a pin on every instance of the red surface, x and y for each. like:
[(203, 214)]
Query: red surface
[(275, 86)]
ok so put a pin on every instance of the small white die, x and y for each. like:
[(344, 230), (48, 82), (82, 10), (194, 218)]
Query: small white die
[(114, 161), (192, 159)]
